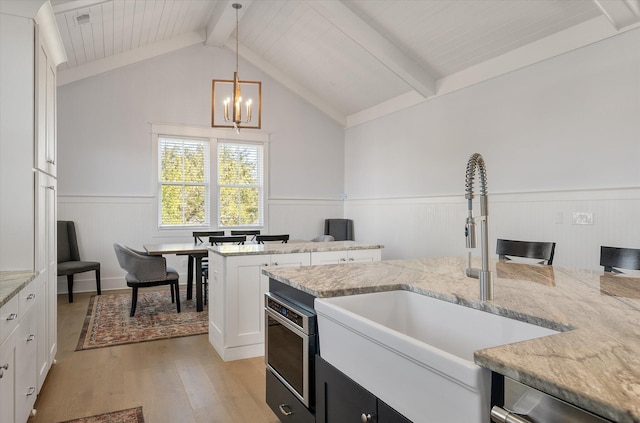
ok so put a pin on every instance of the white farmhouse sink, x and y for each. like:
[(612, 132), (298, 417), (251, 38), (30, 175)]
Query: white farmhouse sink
[(416, 352)]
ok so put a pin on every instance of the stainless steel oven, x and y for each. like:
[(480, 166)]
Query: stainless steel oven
[(290, 347)]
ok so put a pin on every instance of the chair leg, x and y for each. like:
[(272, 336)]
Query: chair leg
[(98, 288), (205, 289), (134, 301), (173, 295), (177, 297), (70, 287)]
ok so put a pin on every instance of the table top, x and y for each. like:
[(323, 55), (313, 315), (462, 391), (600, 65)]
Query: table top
[(176, 248)]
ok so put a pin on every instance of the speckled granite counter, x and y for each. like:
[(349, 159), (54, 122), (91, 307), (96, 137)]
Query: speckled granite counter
[(289, 248), (594, 363), (11, 282)]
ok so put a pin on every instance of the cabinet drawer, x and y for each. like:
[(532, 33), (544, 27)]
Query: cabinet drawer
[(8, 318), (284, 404), (27, 297)]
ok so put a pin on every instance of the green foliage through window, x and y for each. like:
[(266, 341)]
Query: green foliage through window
[(184, 182), (240, 184)]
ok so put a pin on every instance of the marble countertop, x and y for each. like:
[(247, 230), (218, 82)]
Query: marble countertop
[(11, 282), (594, 363), (290, 248)]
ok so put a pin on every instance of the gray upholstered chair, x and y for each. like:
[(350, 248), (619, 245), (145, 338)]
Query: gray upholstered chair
[(144, 271), (340, 229), (69, 262)]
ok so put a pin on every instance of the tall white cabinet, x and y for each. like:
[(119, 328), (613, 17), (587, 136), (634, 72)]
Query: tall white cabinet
[(30, 51)]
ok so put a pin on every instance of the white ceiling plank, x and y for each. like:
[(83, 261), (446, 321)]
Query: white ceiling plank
[(288, 82), (97, 67), (621, 13), (72, 6), (223, 22), (378, 46)]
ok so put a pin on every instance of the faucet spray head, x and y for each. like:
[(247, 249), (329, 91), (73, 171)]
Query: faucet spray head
[(470, 232)]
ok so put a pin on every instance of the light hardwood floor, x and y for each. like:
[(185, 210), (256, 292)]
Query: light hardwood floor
[(181, 380)]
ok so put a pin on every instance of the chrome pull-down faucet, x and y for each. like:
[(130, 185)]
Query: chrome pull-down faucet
[(476, 163)]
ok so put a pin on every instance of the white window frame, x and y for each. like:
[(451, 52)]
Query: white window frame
[(213, 135)]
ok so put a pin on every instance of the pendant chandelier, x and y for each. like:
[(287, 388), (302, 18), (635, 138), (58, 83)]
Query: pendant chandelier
[(234, 102)]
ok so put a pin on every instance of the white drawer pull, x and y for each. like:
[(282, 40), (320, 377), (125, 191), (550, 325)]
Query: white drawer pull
[(31, 296), (31, 391), (12, 316)]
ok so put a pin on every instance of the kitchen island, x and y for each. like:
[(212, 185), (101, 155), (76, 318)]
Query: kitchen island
[(594, 363), (237, 286)]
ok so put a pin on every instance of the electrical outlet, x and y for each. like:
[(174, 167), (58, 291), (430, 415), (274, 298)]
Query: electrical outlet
[(582, 218)]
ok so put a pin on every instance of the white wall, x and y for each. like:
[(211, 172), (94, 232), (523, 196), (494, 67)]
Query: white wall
[(105, 156), (558, 137)]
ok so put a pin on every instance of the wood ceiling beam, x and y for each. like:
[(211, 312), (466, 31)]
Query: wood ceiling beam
[(621, 13), (223, 22), (354, 27)]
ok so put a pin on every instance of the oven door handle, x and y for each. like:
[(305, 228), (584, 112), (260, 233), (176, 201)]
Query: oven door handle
[(278, 318), (500, 415)]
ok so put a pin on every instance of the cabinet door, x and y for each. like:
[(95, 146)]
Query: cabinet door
[(46, 265), (328, 257), (45, 94), (245, 316), (26, 372), (339, 399), (386, 414), (7, 380)]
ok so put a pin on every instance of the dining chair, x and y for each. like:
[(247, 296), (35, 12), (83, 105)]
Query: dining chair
[(340, 229), (235, 239), (69, 262), (144, 271), (199, 237), (202, 236), (249, 232), (261, 239), (527, 249), (613, 257)]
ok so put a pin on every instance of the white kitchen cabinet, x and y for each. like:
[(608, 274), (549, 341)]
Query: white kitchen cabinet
[(236, 301), (7, 377), (46, 266), (18, 347), (345, 256), (16, 142), (45, 106), (26, 372)]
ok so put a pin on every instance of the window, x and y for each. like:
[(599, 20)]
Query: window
[(184, 182), (240, 184)]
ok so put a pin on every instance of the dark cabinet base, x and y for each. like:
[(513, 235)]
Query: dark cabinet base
[(284, 404), (341, 400)]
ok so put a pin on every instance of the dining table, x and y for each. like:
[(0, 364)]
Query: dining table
[(196, 252)]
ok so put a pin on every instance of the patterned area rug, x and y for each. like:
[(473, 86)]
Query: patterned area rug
[(108, 322), (131, 415)]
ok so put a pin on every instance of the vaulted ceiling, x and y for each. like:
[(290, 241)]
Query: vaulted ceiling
[(353, 59)]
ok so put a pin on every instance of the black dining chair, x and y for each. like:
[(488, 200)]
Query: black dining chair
[(234, 239), (145, 271), (526, 249), (69, 262), (198, 238), (261, 239), (613, 257), (248, 232)]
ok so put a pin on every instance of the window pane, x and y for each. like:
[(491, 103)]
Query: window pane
[(171, 205), (240, 176), (184, 181)]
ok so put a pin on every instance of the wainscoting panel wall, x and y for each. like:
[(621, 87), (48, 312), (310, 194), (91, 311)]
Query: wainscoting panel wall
[(434, 226)]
